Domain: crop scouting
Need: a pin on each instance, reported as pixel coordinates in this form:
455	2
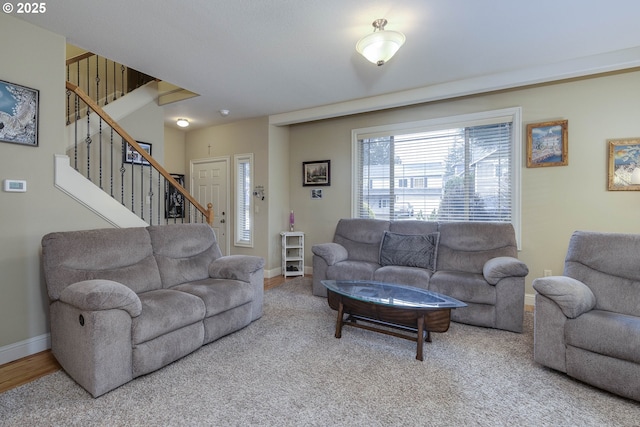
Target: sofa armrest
571	295
99	294
331	252
498	268
235	267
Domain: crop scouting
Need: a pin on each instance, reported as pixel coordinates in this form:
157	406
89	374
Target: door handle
222	221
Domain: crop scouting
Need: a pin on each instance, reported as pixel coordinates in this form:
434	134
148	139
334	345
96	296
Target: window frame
243	201
513	114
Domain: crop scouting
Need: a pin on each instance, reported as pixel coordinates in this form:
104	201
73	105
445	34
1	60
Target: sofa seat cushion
604	332
412	276
219	295
164	311
467	287
352	270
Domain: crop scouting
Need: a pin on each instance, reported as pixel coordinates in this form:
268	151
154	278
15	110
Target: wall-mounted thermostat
15	186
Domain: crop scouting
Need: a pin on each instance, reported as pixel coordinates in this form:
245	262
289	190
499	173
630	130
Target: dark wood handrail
207	212
79	58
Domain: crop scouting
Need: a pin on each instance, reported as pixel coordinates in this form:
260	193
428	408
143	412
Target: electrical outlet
547	273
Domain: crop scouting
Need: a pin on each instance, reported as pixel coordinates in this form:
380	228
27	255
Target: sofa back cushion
413	227
608	264
466	246
361	237
120	254
183	251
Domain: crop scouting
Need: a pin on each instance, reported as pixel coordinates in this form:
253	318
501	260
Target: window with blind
461	168
244	212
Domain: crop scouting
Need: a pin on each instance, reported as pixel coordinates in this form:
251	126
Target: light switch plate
15	186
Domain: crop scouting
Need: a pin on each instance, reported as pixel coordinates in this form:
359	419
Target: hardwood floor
37	365
27	369
30	368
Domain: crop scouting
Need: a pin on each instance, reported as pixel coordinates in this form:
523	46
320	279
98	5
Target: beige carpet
287	369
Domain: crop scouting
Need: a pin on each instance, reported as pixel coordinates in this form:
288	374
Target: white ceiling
277	57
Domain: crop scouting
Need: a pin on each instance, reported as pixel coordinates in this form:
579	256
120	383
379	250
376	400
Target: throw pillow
410	250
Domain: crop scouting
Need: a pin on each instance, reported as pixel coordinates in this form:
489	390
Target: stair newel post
210	214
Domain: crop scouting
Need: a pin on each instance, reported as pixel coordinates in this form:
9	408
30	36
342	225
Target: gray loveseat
587	322
474	262
126	302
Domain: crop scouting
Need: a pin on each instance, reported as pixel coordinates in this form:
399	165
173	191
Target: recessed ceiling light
224	113
183	123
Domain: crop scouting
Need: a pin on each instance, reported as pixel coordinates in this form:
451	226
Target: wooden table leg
339	321
420	337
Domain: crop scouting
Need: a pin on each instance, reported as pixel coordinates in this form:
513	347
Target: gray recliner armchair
587	322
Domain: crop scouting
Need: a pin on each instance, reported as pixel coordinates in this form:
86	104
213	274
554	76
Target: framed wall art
624	164
174	200
548	144
316	173
132	156
18	114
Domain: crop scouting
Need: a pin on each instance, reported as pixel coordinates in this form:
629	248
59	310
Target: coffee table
395	307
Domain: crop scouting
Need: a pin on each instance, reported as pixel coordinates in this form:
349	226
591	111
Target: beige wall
247	136
174	150
37	61
147	125
555	200
278	195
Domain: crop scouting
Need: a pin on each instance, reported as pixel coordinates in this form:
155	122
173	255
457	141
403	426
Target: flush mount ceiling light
183	123
224	113
379	46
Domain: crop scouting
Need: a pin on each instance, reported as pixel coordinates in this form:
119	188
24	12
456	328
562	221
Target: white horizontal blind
244	217
453	174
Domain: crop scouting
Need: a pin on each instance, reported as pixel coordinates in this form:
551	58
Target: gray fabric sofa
474	262
587	322
126	302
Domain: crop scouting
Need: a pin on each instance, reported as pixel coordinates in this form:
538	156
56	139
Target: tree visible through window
462	170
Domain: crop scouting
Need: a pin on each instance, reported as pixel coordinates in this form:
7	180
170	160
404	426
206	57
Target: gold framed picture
624	164
548	144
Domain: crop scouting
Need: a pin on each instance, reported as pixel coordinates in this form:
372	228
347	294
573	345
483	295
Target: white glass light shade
183	123
380	46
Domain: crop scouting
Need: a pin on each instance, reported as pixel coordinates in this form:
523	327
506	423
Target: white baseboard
530	299
268	274
25	348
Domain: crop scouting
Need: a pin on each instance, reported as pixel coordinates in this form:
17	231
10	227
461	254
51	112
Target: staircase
105	169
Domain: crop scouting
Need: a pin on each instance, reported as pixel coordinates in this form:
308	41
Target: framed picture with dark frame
316	173
548	144
132	156
624	164
174	200
18	114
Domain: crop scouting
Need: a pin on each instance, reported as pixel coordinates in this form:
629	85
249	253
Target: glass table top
391	295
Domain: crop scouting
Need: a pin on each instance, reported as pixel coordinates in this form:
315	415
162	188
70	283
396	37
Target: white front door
209	184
